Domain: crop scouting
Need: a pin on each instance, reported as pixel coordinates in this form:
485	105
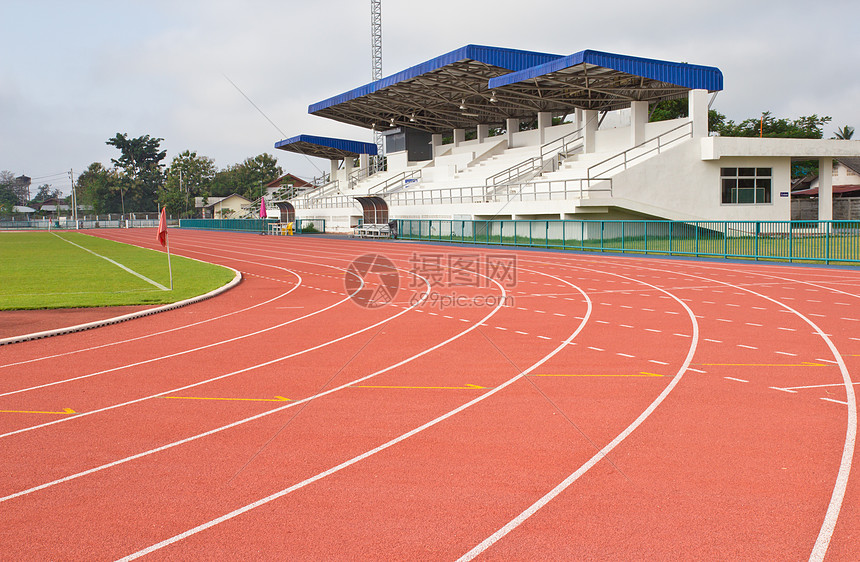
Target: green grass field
43	270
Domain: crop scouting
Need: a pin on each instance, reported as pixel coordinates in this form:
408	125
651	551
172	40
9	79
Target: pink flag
162	227
262	207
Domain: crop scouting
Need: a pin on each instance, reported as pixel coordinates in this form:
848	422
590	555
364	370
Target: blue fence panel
805	241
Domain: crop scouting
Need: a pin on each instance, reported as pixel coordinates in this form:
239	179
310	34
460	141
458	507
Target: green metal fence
802	241
303	226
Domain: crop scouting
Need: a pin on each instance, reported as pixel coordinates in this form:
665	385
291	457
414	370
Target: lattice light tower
376	59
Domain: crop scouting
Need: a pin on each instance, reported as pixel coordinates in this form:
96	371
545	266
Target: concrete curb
237	278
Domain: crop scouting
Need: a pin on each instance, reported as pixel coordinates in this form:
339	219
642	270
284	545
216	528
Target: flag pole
169	269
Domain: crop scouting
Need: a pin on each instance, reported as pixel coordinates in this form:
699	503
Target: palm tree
845	133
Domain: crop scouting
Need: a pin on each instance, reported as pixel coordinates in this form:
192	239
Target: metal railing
397	181
256	226
537	164
656	144
828	242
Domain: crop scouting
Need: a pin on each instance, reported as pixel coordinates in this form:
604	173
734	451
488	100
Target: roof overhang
604	81
444	93
487	85
326	147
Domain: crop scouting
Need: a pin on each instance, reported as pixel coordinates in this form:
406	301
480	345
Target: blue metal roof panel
511	59
343	145
681	74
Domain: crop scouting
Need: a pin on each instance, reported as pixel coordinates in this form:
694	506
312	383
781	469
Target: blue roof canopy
478	84
431	95
599	80
326	147
692	76
509	59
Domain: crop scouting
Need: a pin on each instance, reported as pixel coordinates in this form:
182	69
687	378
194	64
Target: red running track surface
571	407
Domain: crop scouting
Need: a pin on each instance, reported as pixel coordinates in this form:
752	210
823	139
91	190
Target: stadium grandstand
490	133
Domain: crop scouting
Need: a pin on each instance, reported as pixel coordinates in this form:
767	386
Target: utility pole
376	66
74	197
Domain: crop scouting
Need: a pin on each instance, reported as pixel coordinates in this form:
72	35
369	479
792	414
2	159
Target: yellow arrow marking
642	374
275	399
465	387
65	412
804	364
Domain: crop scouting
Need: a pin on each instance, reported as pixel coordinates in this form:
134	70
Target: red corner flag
162	227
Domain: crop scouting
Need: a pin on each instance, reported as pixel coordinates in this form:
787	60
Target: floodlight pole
376	67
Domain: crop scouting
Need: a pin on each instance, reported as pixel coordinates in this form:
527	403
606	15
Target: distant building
229	207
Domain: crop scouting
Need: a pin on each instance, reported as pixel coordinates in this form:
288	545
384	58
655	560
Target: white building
581	168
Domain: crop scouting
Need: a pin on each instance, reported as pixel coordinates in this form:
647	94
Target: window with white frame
746	186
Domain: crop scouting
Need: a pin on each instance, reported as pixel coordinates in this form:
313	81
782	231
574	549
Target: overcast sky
73	74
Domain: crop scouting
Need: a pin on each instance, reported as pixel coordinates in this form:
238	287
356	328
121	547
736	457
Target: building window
746	185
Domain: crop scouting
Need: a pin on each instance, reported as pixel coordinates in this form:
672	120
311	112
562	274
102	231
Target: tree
806	127
45	192
97	187
247	178
196	174
141	170
8	198
844	133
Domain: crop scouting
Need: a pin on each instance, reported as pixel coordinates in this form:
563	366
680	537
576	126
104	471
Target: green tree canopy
188	176
247	178
844	133
8	198
141	170
97	187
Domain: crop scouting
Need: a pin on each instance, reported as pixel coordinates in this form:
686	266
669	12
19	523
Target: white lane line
625	355
713	341
813	386
382	447
596	348
746	346
787	329
787	353
522	333
827	361
116	263
783	389
734	379
654	330
219	377
291	404
682	335
531	510
837	401
544	337
696	370
754	324
657	362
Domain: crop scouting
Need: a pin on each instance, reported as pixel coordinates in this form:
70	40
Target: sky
74	74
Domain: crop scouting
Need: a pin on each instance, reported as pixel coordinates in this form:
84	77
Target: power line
283	134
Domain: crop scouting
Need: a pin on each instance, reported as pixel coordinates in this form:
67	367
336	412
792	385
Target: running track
590	407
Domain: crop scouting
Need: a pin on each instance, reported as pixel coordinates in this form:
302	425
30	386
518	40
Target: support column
544	120
638	120
577	118
698	108
825	189
363	161
334	166
513	126
459	136
435	142
483	132
348	165
589	116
